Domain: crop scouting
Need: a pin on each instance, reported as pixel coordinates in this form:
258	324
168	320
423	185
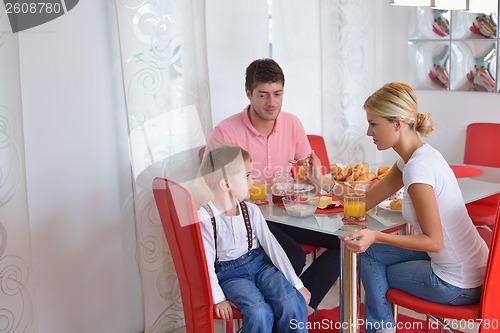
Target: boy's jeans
261	292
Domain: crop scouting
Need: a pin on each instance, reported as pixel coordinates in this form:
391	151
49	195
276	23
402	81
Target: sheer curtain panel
163	51
17	312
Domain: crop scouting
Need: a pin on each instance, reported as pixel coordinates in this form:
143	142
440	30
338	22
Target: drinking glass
354	207
258	193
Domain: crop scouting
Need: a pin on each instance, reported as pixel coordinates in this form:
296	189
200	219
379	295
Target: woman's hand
224	310
360	240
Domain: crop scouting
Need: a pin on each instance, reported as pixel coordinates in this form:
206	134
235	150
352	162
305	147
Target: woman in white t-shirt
444	260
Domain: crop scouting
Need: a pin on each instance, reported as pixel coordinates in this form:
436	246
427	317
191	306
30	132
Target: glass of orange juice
354	207
258	193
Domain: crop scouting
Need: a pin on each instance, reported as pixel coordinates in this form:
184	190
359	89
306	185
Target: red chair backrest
481	144
490	311
180	222
318	145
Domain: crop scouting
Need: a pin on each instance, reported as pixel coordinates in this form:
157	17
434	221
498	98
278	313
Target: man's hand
224	310
315	172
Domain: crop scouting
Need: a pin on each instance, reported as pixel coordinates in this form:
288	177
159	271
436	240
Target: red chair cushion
465	312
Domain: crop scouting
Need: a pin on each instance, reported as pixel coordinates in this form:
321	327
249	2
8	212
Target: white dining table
378	219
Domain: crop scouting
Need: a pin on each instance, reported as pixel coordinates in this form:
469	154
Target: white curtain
326	49
164	62
347	68
17	312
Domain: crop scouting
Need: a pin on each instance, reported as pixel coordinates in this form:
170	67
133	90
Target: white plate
385	206
302	188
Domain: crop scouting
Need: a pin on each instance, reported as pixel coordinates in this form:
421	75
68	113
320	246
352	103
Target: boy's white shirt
232	243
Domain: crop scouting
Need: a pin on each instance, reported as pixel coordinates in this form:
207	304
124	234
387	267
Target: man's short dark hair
263	71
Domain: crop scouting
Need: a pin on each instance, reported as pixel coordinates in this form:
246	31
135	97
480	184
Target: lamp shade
448	4
421	3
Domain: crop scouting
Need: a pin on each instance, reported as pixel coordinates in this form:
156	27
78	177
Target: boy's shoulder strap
248	225
214	226
246	218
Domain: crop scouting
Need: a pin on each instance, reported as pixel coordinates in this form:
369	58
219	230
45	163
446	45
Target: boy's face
241	181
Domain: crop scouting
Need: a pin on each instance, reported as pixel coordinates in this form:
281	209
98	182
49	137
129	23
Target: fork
294	161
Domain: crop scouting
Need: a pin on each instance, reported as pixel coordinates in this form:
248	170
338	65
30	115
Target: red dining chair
481	148
486	312
317	143
180	222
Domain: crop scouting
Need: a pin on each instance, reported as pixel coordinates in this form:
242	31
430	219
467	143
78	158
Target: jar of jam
282	186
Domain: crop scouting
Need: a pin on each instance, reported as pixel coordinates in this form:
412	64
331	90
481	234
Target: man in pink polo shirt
272	137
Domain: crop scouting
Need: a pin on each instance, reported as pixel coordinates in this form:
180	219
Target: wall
451	111
78	174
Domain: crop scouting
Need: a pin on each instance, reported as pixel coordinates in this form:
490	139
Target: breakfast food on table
353	172
396	204
324	201
335	169
366	176
301	174
382	171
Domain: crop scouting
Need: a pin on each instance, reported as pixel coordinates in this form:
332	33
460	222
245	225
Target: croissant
345	173
335	169
367	176
362	167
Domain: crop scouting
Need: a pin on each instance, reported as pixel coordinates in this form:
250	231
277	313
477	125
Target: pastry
367	176
396	204
302	173
335	169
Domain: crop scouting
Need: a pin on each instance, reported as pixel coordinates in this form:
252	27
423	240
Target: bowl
300	205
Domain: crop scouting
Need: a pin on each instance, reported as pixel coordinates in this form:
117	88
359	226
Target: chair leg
442	323
395	310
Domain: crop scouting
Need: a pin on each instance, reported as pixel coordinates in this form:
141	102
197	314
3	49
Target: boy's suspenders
246	218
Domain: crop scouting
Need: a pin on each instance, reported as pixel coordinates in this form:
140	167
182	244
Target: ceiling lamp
448	4
421	3
481	6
